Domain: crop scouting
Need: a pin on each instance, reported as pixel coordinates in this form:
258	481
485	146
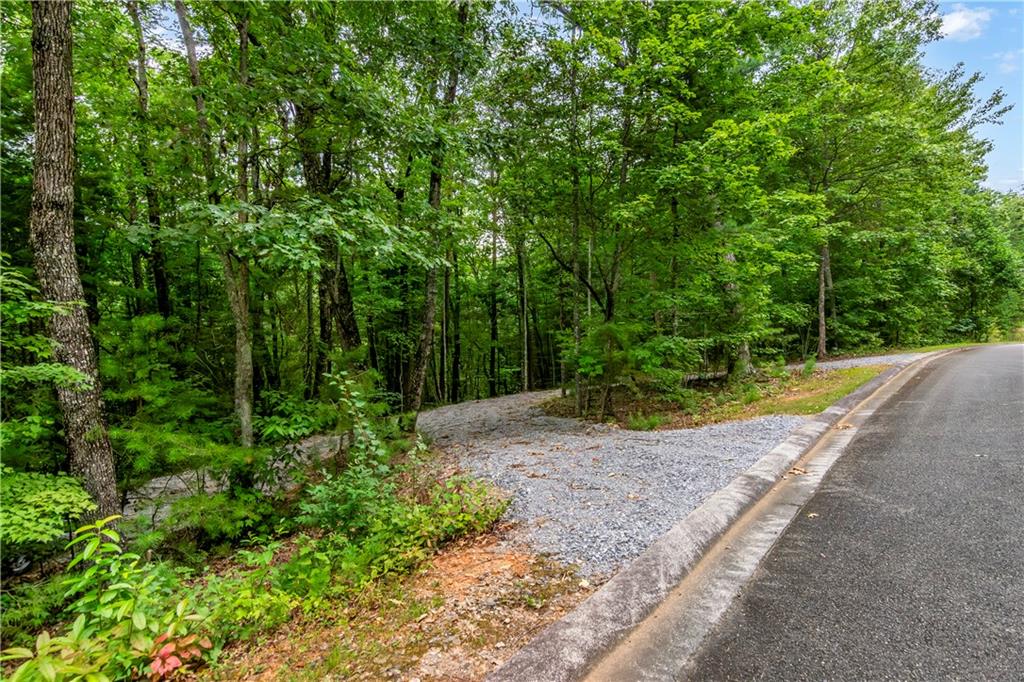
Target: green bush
640	422
286	419
29	607
751	394
38	509
209	520
688	400
809	366
129	621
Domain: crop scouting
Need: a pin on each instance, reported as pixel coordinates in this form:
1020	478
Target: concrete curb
567	649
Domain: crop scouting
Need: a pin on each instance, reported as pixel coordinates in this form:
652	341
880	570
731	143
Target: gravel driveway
591	494
869	360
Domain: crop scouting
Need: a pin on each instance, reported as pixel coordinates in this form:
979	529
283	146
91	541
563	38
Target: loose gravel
870	360
591	494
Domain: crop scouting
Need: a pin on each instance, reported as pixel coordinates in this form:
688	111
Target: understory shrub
128	619
640	422
38	509
133	618
29	607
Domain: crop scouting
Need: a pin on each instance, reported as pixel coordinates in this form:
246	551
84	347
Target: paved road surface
913	568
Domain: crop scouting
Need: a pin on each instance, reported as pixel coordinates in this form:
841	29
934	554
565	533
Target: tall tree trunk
492	374
157	260
577	332
822	268
524	328
326	331
446	302
260	355
135	306
309	371
414	384
51	231
344	309
236	270
456	375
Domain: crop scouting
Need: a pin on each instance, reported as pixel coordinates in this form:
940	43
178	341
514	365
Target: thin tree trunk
524	329
260	348
309	372
157	260
828	283
492	379
134	303
344	309
456	375
577	331
414	384
822	267
236	270
51	232
446	301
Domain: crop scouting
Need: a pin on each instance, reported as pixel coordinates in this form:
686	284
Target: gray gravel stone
870	360
592	494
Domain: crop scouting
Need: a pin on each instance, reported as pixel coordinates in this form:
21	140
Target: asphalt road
908	563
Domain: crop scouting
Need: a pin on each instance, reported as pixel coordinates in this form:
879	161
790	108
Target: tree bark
446	302
524	329
492	376
51	231
577	331
236	270
157	260
456	374
334	294
414	385
822	268
135	306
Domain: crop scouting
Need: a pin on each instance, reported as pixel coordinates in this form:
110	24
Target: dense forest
230	225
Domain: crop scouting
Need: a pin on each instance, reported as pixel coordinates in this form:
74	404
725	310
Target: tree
53	246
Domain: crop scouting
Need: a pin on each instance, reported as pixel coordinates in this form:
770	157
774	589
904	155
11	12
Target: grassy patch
801	392
648	422
805	394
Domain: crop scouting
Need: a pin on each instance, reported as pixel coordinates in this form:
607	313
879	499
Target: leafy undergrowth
799	392
121	615
457	616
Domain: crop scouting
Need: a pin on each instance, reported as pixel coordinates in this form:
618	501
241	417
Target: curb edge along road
570	648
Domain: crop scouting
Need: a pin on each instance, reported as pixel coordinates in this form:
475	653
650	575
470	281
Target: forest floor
460	615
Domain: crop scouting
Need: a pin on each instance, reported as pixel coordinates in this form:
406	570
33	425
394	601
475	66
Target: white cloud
1009	61
965	23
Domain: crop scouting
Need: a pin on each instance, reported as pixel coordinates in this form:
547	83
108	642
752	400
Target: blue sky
988	37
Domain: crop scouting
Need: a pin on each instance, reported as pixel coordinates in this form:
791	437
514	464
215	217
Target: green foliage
287	419
650	422
22	313
141	373
128	621
809	366
39	508
29	607
751	394
209	520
